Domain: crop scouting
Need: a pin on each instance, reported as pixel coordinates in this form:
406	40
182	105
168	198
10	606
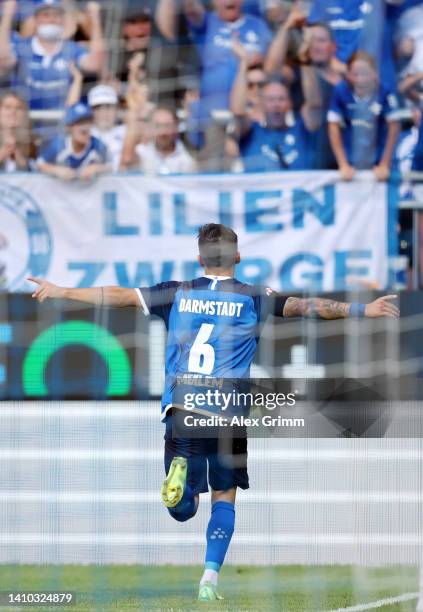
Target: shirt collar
74	154
179	148
220	278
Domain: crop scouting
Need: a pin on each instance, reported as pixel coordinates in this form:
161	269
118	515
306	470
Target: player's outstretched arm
98	296
331	309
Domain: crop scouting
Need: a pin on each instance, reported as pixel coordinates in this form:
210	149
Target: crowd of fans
180	86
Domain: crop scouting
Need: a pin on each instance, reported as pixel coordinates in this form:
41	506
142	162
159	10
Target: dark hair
218	245
324	26
259	66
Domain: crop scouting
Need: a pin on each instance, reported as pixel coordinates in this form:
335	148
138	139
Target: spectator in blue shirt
360	25
283	140
346	19
363	120
78	154
213	33
317	49
41	62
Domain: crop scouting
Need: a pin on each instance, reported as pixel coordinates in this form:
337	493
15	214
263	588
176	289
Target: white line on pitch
380	603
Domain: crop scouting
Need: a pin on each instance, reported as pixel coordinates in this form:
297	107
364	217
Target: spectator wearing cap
164	153
26	19
104	103
363	120
78	154
41	63
283	140
213	33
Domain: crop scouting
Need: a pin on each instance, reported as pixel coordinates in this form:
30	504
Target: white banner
296	230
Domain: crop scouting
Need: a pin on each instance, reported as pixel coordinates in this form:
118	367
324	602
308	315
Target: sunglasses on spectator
258	84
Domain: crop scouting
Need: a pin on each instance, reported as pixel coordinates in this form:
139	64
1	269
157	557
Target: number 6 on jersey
201	356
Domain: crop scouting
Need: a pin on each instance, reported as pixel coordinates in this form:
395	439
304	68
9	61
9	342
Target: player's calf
219	533
176	493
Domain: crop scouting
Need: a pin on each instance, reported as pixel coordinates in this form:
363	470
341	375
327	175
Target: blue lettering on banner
144	274
253	212
191	269
225	208
254	271
155	214
111	224
92	271
180	206
343	269
314	279
304	201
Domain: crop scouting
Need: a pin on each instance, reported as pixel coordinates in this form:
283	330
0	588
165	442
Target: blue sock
219	533
186	508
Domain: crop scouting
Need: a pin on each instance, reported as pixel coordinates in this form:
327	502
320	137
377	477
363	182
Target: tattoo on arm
316	308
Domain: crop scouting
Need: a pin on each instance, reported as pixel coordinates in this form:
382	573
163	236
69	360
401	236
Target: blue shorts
227	467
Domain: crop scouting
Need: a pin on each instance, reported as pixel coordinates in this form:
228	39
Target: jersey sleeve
391	107
269	302
266	36
77	53
49	152
103	153
15	44
199	31
336	108
158	300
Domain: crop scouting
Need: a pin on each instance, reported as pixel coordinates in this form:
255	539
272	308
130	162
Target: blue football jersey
364	122
59	151
213	326
265	149
41	79
220	64
346	19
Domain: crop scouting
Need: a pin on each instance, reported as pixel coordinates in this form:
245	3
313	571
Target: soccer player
212	324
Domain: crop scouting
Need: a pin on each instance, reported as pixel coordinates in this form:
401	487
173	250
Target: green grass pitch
245	588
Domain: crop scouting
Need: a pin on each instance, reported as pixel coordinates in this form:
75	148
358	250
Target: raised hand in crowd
240	50
75	90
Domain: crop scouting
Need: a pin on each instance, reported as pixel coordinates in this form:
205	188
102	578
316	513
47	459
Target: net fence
326	522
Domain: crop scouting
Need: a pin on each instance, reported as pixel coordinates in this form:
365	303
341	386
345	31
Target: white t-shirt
153	162
113	139
410	25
